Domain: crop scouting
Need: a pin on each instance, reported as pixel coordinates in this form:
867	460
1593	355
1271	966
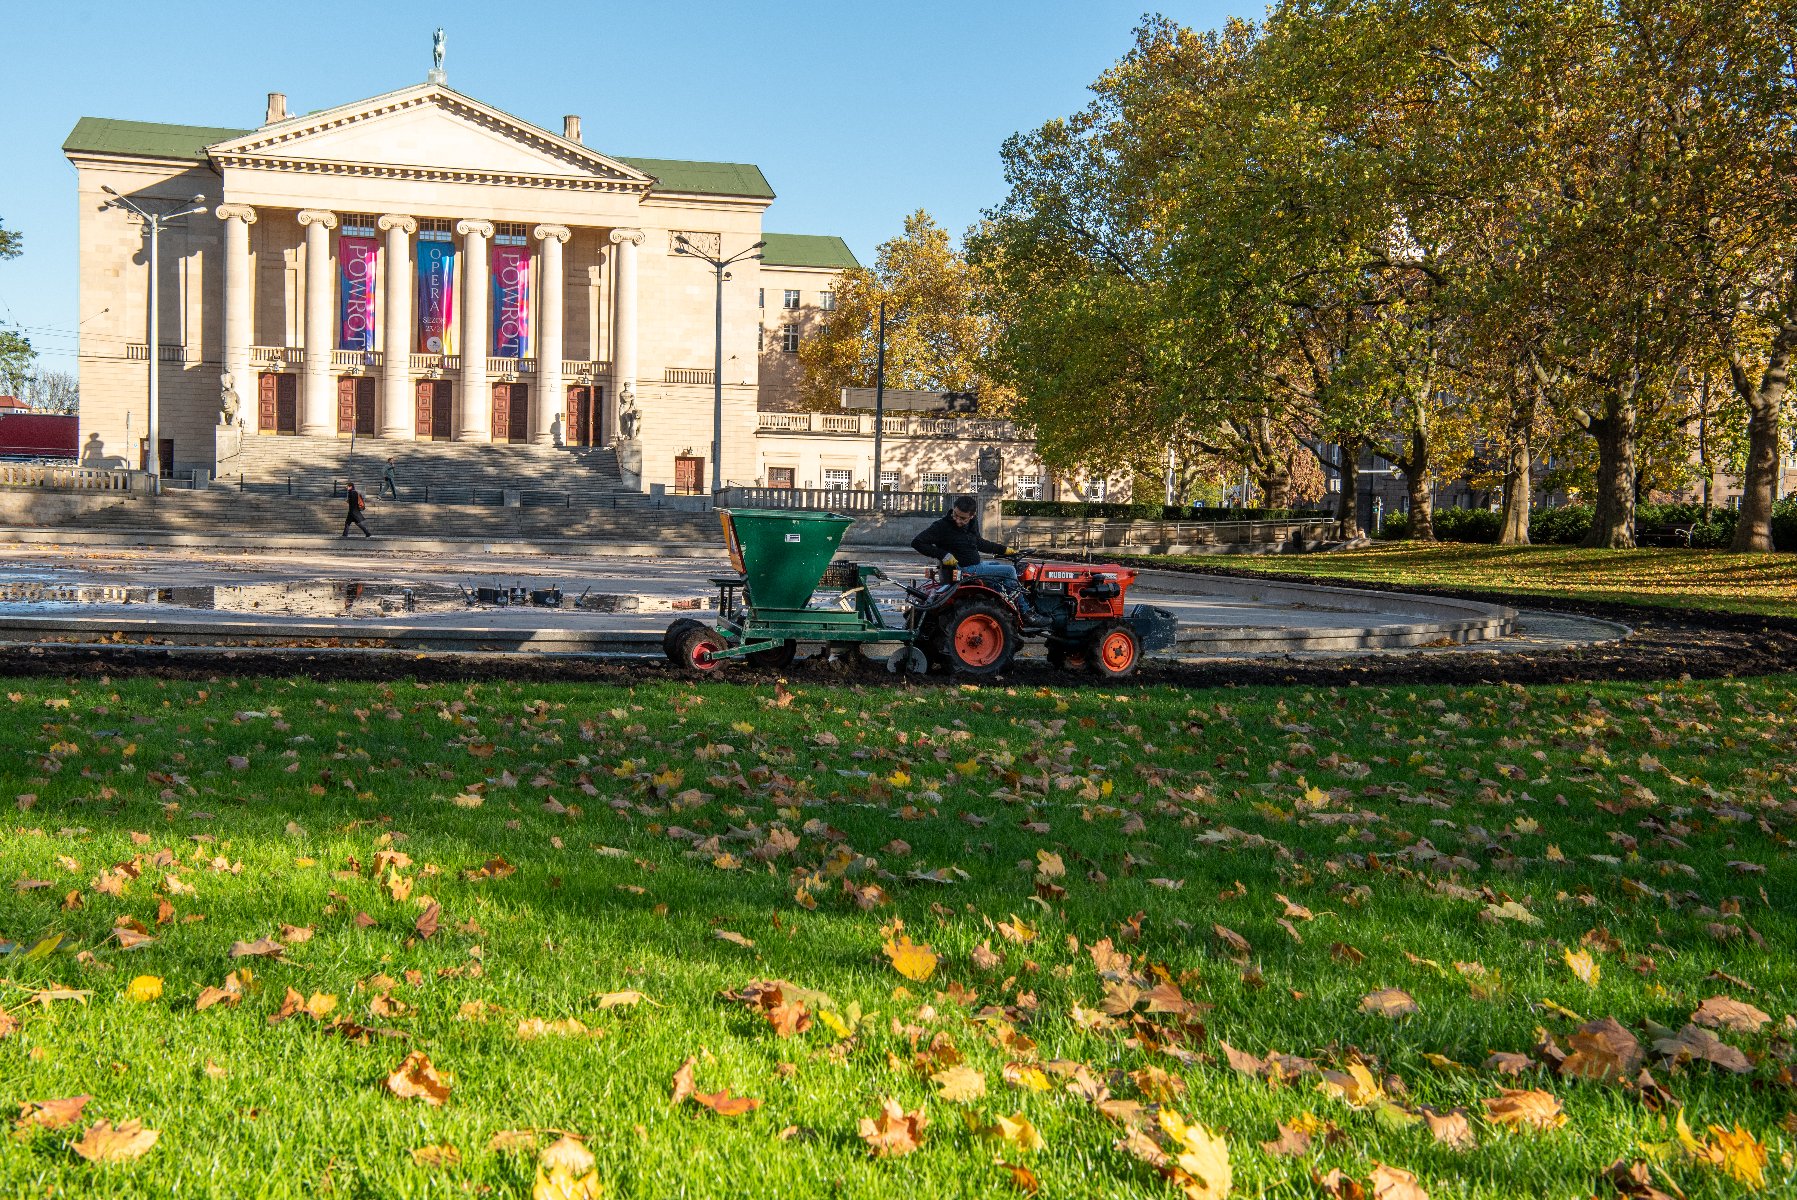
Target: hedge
1154	512
1568	524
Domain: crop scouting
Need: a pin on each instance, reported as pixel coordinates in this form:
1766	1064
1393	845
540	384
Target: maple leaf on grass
1581	964
1692	1043
566	1171
724	1104
1736	1153
894	1131
960	1084
48	1114
1389	1002
1603	1051
1200	1158
1525	1108
1394	1183
1720	1012
416	1079
683	1081
909	959
105	1142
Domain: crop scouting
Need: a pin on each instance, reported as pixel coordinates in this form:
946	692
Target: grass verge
1761	584
1136	898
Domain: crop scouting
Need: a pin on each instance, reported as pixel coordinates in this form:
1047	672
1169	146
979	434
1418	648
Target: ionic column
623	365
549	397
238	332
318	404
398	409
475	422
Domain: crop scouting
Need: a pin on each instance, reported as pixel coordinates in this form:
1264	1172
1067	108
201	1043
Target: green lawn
559	845
1685	579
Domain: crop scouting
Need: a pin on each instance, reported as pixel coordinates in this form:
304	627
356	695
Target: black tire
775	658
694	647
1063	657
671	637
1114	650
978	639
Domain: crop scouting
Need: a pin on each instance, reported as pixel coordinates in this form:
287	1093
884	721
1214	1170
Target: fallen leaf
959	1084
894	1131
1720	1012
512	1139
105	1142
260	948
426	924
443	1155
416	1079
48	1114
1388	1002
1634	1181
566	1171
624	999
1603	1051
1392	1183
536	1027
1692	1043
1450	1127
909	959
144	989
1290	1143
725	1105
1017	1131
1581	964
1200	1163
1525	1108
683	1081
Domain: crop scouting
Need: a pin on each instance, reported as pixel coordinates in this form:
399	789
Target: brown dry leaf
260	948
1529	1108
536	1027
416	1079
293	935
1392	1183
48	1114
1022	1178
427	921
1338	1186
683	1081
105	1142
1388	1002
1634	1181
909	959
565	1171
1603	1051
1692	1043
229	994
894	1131
444	1155
726	935
512	1139
1450	1127
959	1084
1233	943
1506	1063
1290	1143
1720	1012
725	1105
624	999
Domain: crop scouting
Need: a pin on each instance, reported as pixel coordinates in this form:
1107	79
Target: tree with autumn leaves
1449	232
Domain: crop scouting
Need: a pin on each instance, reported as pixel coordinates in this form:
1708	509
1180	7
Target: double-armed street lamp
154	223
719	266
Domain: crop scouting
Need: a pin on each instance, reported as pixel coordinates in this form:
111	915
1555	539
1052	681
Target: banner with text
511	301
436	297
357	258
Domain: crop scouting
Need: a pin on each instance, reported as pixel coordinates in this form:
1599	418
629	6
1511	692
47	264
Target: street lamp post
154	223
718	265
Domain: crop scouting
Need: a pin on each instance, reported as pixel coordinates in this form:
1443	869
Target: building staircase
440	472
228	511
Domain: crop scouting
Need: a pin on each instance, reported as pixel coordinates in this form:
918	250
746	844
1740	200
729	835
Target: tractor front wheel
694	648
979	639
1114	651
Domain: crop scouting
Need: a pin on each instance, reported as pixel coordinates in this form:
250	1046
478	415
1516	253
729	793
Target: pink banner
357	258
511	301
436	296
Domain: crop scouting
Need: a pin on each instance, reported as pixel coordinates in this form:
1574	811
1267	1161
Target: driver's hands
949	560
1006	551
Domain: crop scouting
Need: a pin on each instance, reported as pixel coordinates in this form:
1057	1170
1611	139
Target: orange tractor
960	623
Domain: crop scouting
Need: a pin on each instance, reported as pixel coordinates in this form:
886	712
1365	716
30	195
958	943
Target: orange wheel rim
979	640
1117	652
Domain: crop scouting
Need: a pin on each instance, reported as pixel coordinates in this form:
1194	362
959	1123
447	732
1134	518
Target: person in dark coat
354	516
953	541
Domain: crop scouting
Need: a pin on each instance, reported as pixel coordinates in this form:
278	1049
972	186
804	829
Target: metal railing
848	500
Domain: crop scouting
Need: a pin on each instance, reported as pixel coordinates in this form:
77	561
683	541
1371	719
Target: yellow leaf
1584	966
1017	1131
144	989
899	779
1049	865
105	1142
1201	1157
836	1024
911	960
959	1084
565	1171
1027	1077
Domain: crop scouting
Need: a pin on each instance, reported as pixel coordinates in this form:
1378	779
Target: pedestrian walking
387	484
354	516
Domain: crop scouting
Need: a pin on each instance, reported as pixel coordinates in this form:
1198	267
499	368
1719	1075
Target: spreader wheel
670	640
694	648
775	658
1114	650
979	638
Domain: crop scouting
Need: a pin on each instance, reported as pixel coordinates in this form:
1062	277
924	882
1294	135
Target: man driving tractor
953	541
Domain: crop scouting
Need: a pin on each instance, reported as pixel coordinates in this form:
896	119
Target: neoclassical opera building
421	265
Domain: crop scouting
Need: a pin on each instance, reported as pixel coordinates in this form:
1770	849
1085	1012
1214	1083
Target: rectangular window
760	337
355	225
1029	487
509	233
789	338
837	479
779	477
935	481
827	301
791	299
1098	489
761	297
889	481
436	229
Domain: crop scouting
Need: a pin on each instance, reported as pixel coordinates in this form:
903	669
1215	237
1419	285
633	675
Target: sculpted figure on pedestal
227	400
628	416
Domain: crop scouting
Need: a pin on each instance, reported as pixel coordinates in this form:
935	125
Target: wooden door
277	403
511	412
165	453
581	425
433	410
689	475
266	385
423	395
365	406
346	404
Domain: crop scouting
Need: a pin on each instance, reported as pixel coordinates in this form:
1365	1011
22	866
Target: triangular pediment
427	132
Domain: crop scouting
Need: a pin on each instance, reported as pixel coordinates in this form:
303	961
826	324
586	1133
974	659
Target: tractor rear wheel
979	638
694	647
1114	650
775	658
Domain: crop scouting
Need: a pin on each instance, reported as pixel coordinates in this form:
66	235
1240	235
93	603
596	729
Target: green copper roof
807	250
144	139
705	178
149	139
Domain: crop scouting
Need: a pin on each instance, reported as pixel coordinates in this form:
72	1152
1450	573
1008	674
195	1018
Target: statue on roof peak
437	74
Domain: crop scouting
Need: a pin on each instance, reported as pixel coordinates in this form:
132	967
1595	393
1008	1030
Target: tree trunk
1613	524
1759	483
1347	505
1274	479
1415	466
1518	493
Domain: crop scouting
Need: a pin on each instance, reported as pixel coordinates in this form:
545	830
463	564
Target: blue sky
857	112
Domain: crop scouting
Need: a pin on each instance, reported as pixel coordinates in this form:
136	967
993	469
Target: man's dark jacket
356	503
943	536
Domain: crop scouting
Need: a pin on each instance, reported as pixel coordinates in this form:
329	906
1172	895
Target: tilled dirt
1664	645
